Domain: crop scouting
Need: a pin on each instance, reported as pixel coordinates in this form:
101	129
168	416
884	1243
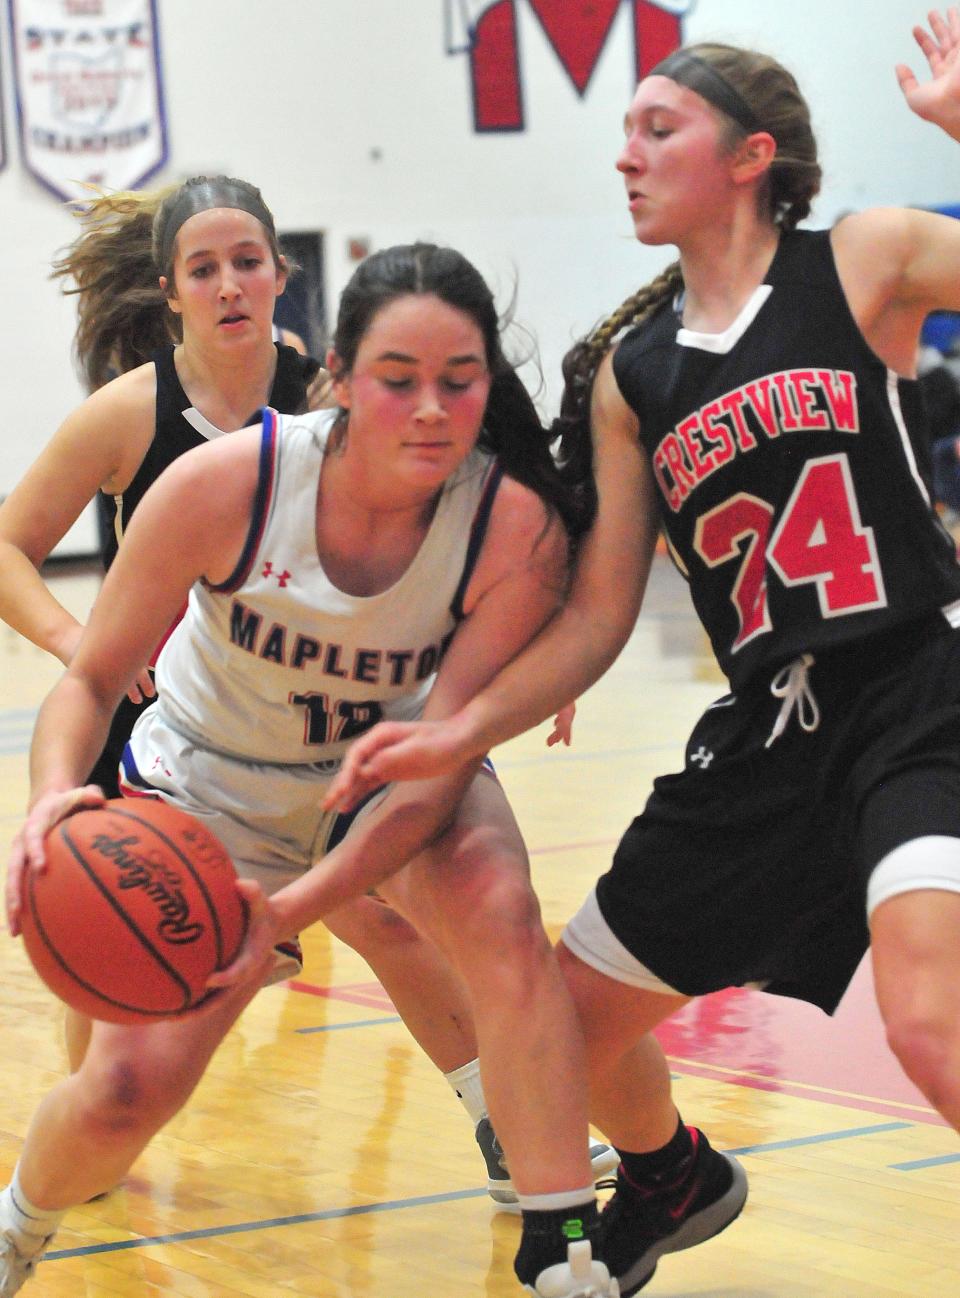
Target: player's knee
371	927
926	1047
496	913
129	1096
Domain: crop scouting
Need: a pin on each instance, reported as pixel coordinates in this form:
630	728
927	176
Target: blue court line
357	1023
847	1134
925	1162
391	1205
328	1214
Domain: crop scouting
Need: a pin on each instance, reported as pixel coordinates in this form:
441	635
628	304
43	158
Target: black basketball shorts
751	864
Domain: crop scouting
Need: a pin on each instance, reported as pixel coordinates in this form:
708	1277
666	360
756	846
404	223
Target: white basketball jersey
277	664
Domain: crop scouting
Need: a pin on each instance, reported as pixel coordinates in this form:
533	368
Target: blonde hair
122	314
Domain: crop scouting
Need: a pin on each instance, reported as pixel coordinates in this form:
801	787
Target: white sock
31	1226
555	1202
468	1088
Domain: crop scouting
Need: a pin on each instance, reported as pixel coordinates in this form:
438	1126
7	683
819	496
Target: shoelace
792	684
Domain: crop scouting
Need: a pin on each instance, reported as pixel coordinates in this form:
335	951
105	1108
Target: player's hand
936	100
256	955
143	687
562	731
393	750
27	849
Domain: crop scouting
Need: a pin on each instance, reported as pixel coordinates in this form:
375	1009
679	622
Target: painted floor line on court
420	1201
357	1023
743	1077
918	1163
298	1219
823	1137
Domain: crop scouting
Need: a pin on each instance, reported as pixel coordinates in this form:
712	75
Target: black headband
201	196
697	75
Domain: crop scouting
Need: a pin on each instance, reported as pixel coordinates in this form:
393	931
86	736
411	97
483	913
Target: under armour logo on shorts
703	757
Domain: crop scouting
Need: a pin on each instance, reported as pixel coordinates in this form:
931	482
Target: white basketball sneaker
603	1159
17	1266
15	1269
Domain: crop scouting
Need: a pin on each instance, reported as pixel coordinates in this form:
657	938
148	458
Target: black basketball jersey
174	434
792	469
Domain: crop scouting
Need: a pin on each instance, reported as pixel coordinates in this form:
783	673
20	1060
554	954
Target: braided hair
580	365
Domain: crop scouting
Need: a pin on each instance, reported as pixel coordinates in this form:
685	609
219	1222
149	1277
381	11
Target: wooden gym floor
324	1156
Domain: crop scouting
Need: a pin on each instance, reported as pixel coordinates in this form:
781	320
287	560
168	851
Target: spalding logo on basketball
137	907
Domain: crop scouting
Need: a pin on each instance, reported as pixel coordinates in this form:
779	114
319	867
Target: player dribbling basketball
333	561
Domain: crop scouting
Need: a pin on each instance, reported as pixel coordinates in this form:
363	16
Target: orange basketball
137	907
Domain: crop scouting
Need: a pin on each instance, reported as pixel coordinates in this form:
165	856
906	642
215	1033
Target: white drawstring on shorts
792	684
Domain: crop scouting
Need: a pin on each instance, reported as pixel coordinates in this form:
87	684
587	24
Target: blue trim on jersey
266	477
478	532
132	783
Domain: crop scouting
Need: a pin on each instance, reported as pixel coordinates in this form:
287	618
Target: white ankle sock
31	1226
556	1202
468	1088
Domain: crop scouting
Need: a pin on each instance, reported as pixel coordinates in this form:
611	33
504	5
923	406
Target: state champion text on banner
89	94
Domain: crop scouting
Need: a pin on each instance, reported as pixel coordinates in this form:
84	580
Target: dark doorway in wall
302	307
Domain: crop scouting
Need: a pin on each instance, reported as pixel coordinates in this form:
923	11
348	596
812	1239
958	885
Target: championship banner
3	129
89	92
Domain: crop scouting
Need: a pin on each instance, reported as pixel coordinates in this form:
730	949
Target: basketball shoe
603	1160
15	1268
20	1249
638	1225
579	1277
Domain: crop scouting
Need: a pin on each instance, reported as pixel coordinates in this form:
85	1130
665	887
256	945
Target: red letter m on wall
577	30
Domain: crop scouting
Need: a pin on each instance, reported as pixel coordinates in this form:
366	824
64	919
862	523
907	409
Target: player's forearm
71	729
568	656
27	606
410	818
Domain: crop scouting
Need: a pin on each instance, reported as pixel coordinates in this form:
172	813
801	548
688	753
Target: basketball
137	907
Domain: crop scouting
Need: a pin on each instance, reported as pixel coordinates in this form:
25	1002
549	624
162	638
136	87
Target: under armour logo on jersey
158	762
282	577
703	757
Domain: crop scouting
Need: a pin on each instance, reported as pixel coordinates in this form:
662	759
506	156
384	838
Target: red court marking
774	1043
767	1043
371	995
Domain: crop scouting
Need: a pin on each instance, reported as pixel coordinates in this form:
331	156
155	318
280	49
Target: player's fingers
345	791
938	26
907	79
930	48
256	954
14	884
142	688
48	812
